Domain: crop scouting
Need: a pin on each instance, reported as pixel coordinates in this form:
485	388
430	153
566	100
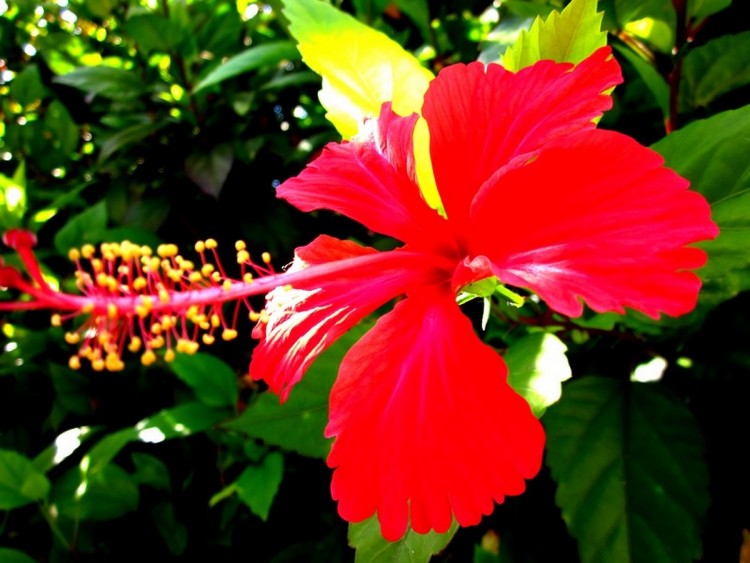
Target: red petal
303	322
597	217
426	427
371	181
480	117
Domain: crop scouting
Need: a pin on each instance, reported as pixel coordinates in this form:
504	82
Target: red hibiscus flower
426	427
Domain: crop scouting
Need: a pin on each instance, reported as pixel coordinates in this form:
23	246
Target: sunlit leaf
366	538
13	197
27	86
21	482
361	68
268	55
715	68
631	478
104	495
537	366
570	37
214	382
257	485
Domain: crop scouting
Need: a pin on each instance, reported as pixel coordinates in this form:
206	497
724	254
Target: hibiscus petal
426	426
302	321
596	216
480	117
370	180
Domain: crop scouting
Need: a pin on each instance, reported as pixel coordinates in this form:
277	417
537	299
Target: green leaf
127	136
298	424
153	32
628	462
712	154
62	130
151	471
567	37
258	484
214	382
106	81
361	68
365	537
86	227
105	495
13	197
8	555
21	483
701	9
27	86
255	58
654	81
715	68
173	532
537	366
65	444
210	171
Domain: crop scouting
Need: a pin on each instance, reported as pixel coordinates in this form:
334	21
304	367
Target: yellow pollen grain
98	364
216	277
207	269
135	344
114	363
156	328
74	363
266	257
240	245
226	285
215	321
243	256
163	296
157	342
254	316
208	339
148	358
87	308
112	311
169	355
195	277
87	251
228	334
55	320
211	243
74	255
200	246
140	283
247	278
72	338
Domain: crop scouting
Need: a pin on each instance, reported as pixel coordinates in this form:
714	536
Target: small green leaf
27	86
567	37
365	537
8	555
86	227
715	68
537	366
62	130
151	471
361	68
210	171
21	483
106	81
298	424
699	10
153	32
628	462
258	484
173	532
268	55
104	495
214	382
125	137
712	154
654	81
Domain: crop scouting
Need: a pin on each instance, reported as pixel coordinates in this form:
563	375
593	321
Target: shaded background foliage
173	121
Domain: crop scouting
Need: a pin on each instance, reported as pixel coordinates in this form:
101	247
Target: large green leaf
254	58
715	68
21	482
365	537
701	9
628	462
106	81
214	382
86	227
361	68
14	556
537	366
298	424
104	495
566	37
712	154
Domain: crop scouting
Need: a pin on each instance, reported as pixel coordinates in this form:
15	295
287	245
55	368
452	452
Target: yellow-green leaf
361	68
564	37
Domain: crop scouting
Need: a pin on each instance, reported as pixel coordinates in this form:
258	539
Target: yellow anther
266	257
98	364
163	296
243	256
87	308
102	279
228	334
207	269
87	251
226	285
169	355
97	265
247	278
191	312
145	306
264	316
254	316
113	362
112	311
216	277
167	250
208	339
204	325
74	255
174	275
56	320
215	321
156	328
140	283
148	358
157	342
135	344
240	245
195	277
200	246
146	251
211	244
72	338
185	346
74	363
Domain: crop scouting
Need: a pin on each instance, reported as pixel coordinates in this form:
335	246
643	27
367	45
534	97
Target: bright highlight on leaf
564	37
